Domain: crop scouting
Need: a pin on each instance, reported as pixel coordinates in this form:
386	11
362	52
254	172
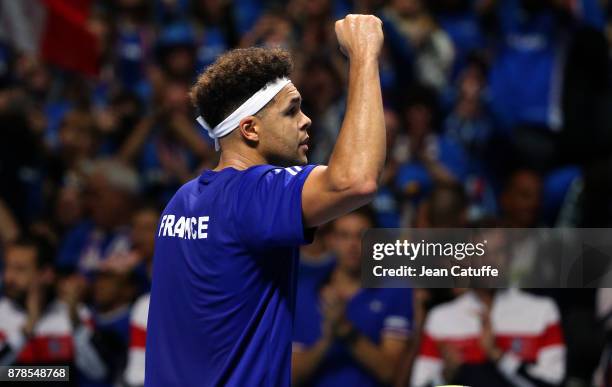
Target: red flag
66	41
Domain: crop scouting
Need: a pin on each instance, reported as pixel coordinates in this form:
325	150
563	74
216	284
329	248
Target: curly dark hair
234	77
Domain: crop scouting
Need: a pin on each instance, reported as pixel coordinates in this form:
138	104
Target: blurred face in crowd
68	206
175	98
77	138
521	199
108	206
407	7
418	120
36	76
346	240
144	227
180	62
445	207
321	86
279	32
21	270
283	141
111	290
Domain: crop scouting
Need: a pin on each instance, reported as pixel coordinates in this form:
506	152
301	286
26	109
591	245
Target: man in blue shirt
222	298
346	335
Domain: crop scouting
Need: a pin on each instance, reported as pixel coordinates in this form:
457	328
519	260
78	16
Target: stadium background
501	110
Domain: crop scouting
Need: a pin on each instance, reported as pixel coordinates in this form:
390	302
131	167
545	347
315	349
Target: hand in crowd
34	301
333	308
72	290
451	356
487	336
173	163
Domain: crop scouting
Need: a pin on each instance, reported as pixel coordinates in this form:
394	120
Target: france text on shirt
185	227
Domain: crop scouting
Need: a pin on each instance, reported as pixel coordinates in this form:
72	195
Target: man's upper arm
323	201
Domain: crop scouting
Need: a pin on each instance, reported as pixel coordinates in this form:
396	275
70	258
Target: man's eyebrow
295	101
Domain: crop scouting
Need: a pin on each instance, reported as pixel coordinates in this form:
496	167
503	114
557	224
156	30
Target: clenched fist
360	36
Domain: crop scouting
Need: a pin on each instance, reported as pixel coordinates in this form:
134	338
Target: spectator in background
315	26
109	195
273	29
117	120
520	203
21	156
530	45
216	29
317	259
136	260
166	147
432	49
603	374
433	158
135	369
461	20
345	334
78	144
133	45
9	229
520	200
491	338
176	52
112	295
325	102
469	125
468	121
446	206
143	236
387	202
37	327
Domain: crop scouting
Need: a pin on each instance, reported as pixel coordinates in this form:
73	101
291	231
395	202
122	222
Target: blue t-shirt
223	290
373	312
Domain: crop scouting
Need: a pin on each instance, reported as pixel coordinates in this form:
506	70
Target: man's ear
250	128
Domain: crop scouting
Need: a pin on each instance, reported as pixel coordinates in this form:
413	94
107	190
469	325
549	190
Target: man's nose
306	122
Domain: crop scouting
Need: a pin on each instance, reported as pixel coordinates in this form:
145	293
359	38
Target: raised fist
360	36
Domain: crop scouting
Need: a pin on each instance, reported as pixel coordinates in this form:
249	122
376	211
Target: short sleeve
398	318
269	207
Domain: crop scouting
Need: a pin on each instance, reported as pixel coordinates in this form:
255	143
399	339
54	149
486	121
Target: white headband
248	108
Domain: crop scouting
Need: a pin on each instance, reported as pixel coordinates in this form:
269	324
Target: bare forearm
359	153
134	142
194	142
374	359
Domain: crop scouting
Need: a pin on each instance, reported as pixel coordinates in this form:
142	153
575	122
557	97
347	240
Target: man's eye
292	111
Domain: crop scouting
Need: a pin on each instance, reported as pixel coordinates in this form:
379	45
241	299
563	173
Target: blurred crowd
498	114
